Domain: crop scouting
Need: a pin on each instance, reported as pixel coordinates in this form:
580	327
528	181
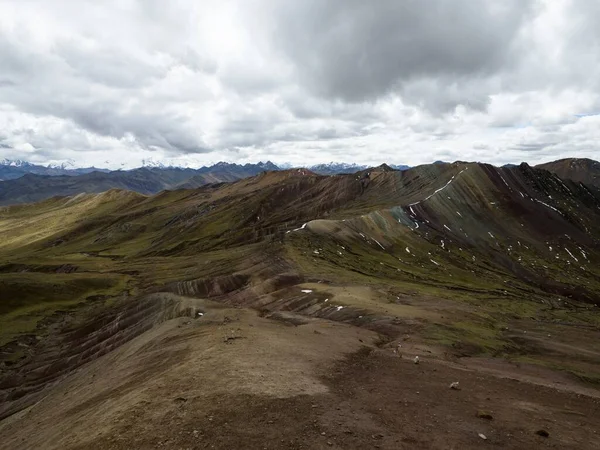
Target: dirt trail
233	379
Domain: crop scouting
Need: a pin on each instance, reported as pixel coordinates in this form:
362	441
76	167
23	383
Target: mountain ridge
443	261
33	187
584	170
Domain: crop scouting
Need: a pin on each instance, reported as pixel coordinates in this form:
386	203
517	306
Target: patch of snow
443	244
491	235
306	291
561	182
447	228
459	213
379	244
571	254
407	250
302	227
445	186
504	181
436	263
547	205
339	308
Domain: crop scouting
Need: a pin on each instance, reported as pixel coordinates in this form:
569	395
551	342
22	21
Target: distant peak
383	168
15	163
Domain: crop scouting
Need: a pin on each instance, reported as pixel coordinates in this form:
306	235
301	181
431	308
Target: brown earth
233	379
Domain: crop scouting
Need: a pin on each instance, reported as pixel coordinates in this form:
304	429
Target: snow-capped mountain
334	168
11	169
65	165
15	163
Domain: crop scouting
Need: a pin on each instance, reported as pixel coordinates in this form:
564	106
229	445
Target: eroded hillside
468	266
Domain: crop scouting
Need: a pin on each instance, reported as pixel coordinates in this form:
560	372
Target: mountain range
11	169
382	299
24	182
33	187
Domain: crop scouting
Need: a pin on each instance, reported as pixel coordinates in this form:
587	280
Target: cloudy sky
114	82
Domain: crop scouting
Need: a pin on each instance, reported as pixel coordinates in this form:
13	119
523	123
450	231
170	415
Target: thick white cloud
301	82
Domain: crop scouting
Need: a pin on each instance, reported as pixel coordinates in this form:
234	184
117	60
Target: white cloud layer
114	82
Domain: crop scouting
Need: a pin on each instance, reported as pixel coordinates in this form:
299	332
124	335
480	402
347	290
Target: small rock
482	436
542	433
454	385
416	360
323	433
329	443
484	415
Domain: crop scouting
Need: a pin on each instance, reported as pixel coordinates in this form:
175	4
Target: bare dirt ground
232	379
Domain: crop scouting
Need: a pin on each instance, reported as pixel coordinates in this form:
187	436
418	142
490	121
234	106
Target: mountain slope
31	188
466	265
586	171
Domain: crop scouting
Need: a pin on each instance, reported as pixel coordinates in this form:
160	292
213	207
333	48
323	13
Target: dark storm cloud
356	50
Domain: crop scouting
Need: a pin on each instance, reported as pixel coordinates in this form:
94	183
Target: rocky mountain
171	316
586	171
12	169
146	180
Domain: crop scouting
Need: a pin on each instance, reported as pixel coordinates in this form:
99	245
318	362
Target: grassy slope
509	277
121	241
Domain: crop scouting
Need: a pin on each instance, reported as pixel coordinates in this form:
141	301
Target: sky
118	83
